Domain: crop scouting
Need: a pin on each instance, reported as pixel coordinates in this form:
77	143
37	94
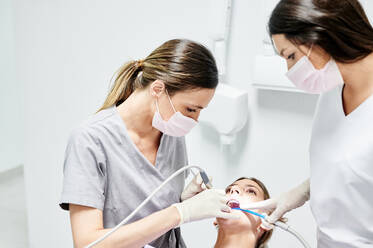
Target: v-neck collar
137	151
357	110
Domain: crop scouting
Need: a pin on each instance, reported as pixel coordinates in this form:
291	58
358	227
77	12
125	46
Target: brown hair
181	64
341	28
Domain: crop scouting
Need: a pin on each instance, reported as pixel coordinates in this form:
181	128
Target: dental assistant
134	142
328	47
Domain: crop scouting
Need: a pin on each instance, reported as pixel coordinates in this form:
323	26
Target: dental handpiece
205	179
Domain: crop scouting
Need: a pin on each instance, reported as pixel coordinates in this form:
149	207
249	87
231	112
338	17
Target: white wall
368	5
67	51
11	126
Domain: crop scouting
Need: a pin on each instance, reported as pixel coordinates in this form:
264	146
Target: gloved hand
285	202
194	187
210	203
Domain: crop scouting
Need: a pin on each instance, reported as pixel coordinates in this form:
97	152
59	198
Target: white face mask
306	77
178	125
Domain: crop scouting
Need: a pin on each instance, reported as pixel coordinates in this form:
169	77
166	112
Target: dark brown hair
339	27
181	64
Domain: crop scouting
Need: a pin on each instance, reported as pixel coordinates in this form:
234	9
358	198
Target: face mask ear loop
309	51
156	104
170	101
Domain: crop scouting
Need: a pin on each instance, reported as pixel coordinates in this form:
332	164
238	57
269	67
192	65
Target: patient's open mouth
233	203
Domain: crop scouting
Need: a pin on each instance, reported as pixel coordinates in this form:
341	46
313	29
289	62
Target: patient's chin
246	221
222	223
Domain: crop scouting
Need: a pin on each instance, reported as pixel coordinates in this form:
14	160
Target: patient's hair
264	238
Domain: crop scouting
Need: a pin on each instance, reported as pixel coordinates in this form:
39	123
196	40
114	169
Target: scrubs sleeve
84	172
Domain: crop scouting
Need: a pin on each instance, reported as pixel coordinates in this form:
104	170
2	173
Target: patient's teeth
233	204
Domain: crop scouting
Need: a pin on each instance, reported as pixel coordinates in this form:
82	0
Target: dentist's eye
291	56
191	110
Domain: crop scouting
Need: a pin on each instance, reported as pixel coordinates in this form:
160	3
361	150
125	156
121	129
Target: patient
245	231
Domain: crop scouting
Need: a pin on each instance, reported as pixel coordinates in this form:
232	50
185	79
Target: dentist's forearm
136	234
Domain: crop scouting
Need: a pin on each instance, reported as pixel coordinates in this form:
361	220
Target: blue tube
250	212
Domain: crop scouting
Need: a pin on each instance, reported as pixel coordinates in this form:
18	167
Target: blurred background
56	61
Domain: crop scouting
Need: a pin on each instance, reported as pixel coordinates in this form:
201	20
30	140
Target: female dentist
328	47
133	143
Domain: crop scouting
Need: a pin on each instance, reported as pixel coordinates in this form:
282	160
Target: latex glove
210	203
285	202
194	187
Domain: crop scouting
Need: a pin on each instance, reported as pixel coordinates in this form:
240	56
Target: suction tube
281	225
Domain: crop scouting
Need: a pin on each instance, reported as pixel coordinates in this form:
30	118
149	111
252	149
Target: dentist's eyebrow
197	106
282	52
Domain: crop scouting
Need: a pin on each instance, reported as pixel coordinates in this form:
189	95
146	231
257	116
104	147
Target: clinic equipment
207	182
279	224
233	103
204	177
251	212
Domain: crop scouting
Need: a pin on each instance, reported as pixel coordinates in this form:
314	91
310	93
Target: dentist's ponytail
124	82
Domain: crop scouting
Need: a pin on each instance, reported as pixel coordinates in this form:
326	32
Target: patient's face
243	192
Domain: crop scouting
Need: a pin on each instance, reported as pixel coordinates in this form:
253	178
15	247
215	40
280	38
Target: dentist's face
190	103
288	50
292	53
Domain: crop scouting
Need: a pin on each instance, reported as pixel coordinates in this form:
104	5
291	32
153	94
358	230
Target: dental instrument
205	179
208	185
279	224
251	212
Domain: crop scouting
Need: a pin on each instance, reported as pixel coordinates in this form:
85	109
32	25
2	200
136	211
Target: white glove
283	203
194	187
211	203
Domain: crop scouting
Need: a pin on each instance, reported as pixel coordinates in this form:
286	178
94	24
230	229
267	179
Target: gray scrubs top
104	169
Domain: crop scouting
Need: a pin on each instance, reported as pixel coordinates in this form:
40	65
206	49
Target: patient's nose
235	190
